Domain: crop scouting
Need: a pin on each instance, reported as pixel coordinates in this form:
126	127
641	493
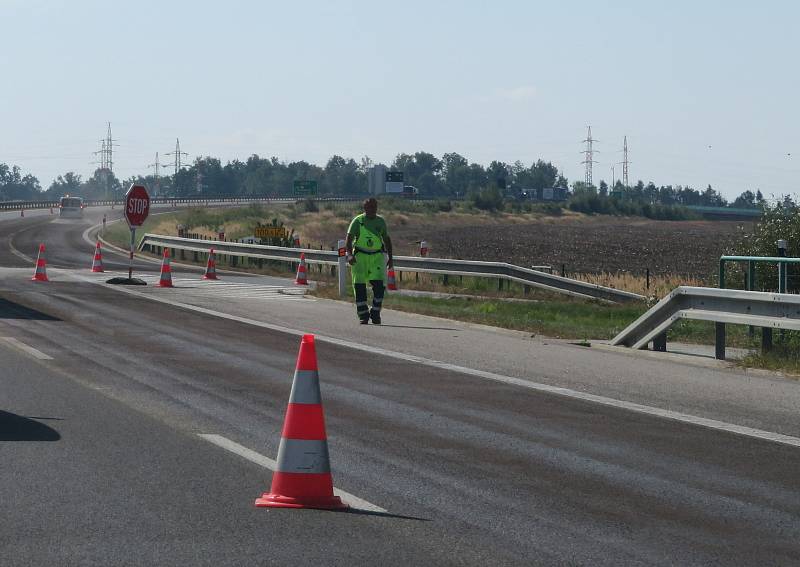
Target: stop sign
137	205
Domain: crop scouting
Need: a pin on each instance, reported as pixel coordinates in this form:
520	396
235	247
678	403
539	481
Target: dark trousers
362	307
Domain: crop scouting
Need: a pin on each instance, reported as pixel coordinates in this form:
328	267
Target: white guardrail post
342	269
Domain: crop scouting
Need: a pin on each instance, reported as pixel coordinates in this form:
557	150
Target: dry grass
659	285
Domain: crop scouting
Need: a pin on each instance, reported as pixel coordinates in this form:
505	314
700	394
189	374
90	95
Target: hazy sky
706	91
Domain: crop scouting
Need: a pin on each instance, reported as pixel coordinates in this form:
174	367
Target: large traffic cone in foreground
166	271
302	278
303	478
40	275
97	262
211	266
391	280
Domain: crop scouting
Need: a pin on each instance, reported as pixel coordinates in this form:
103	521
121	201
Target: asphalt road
103	459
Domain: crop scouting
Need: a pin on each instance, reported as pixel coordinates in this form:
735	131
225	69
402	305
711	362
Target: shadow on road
15	427
11	310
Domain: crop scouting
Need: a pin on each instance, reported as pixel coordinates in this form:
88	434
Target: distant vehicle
71	207
410	191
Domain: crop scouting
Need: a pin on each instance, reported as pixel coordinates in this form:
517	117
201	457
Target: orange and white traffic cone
166	271
211	266
391	280
302	278
40	275
97	262
303	478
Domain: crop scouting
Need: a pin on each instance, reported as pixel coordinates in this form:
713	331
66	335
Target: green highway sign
394	176
305	188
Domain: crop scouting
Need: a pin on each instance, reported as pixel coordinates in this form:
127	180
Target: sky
707	92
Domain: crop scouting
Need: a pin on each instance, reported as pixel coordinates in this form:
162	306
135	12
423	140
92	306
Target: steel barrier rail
500	270
721	306
17	205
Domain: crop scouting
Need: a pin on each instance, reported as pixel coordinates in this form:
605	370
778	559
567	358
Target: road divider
496	270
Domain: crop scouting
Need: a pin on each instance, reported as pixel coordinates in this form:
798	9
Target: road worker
367	241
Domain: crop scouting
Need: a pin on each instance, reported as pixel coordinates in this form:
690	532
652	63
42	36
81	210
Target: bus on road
71	207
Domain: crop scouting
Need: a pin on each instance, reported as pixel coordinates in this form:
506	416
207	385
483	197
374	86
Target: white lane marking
267	463
36	353
566	392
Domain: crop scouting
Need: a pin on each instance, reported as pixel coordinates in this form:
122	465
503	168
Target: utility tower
106	162
625	162
157	173
588	156
177	155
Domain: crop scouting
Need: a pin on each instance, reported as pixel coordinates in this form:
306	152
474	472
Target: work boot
376	317
364	321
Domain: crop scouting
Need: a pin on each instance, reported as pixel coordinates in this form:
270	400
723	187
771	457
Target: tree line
451	176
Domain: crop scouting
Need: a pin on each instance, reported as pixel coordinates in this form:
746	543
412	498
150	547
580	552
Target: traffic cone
301	278
391	280
211	266
166	271
40	275
97	262
303	475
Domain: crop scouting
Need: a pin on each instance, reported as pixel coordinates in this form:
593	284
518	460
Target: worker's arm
351	259
387	242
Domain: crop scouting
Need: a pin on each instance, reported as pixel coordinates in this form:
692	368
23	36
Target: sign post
137	207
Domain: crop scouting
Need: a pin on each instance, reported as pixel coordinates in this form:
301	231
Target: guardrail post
660	342
766	340
499	284
526	289
721	273
719	341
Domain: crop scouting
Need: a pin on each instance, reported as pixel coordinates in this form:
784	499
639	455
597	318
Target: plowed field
588	244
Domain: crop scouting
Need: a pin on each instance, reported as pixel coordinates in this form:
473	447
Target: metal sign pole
130	264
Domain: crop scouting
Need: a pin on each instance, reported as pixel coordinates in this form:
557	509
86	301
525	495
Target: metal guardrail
20	205
722	306
499	270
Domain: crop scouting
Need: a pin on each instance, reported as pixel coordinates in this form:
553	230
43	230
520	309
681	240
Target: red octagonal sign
137	205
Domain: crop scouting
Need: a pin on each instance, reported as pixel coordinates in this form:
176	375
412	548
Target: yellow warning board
271	232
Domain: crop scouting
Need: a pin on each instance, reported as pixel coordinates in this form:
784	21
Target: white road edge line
19	345
566	392
267	463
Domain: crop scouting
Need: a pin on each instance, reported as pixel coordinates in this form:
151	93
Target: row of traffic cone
165	278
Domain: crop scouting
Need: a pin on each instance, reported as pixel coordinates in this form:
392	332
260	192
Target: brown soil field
598	244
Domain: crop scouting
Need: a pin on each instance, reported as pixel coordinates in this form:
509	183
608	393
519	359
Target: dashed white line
19	345
267	463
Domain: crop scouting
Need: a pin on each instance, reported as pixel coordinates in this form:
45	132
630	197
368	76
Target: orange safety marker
40	275
303	475
302	277
97	262
166	271
391	280
211	266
